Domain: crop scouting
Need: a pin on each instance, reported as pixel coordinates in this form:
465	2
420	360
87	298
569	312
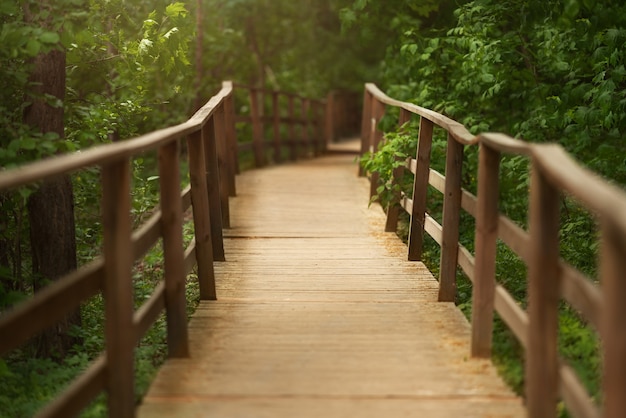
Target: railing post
257	129
393	210
310	123
304	128
293	142
118	290
451	217
329	113
213	186
276	114
485	244
366	126
376	137
322	137
231	135
612	267
420	190
173	252
542	364
201	216
222	163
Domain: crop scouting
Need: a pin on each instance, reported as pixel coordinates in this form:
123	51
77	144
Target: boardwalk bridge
310	303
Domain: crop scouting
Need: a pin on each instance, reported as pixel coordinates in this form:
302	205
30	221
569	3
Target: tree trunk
51	207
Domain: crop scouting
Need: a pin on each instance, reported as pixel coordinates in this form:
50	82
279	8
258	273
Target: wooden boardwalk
319	315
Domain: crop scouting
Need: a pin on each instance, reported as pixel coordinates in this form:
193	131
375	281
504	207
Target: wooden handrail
213	162
550	278
104	154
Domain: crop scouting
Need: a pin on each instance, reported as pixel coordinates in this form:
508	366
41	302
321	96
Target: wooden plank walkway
319	315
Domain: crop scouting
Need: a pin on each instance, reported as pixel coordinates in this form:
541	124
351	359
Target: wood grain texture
485	244
118	291
320	314
451	218
420	183
543	298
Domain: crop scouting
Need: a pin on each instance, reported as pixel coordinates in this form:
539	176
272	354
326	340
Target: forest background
545	71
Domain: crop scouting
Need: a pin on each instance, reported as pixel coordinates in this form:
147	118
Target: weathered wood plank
320	314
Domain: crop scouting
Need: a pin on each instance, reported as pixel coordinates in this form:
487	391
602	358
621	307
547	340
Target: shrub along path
319	315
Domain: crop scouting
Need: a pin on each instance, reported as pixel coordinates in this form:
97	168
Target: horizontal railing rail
212	153
550	279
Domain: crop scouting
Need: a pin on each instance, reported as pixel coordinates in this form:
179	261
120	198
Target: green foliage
24	384
391	154
123	78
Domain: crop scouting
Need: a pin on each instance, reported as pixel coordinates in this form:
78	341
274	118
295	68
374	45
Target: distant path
319	315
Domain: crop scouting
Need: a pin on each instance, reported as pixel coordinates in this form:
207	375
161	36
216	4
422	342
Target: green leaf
33	47
170	33
50	136
176	9
360	4
347	17
571	8
8	8
28	144
145	45
14	145
25	192
50	37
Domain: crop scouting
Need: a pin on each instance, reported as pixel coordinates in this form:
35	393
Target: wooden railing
212	153
302	121
289	126
550	279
